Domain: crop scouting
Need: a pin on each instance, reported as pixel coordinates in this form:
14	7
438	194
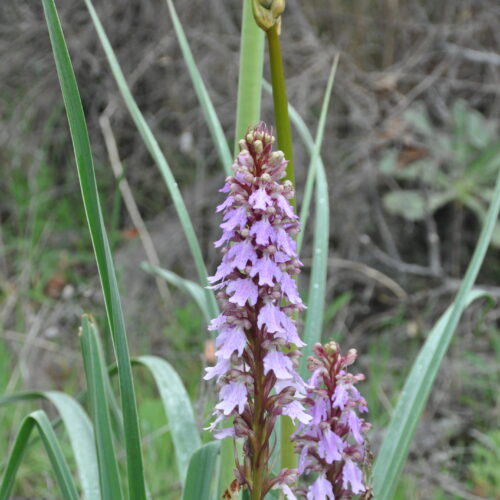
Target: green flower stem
250	76
284	135
283	128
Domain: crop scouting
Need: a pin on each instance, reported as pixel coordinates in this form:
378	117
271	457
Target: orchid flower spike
332	446
256	367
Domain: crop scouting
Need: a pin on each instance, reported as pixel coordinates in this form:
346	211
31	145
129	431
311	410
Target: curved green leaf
177	407
317	286
157	155
201	92
86	174
315	163
201	477
411	403
319	267
64	479
250	75
109	476
80	432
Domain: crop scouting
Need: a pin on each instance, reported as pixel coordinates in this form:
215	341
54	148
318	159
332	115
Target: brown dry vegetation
402	274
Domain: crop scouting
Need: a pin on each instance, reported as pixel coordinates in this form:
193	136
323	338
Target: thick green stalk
284	135
250	76
283	128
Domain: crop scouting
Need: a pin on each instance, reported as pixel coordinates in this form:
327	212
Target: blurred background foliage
409	149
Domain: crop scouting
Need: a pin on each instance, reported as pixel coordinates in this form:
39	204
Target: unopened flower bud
350	357
257	146
331	348
267	13
276	157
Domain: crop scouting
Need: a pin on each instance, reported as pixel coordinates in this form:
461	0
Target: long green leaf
80	432
313	164
156	153
190	287
64	479
109	476
418	385
178	410
201	92
317	286
114	406
201	476
86	174
319	267
250	74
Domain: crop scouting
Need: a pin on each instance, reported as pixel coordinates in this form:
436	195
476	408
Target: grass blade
317	287
190	287
201	92
178	409
109	476
80	432
418	385
315	154
156	154
86	174
201	476
64	479
250	75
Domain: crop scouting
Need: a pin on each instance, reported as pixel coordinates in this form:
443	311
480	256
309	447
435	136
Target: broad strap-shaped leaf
201	92
201	477
60	467
95	373
86	174
319	268
418	385
154	149
411	403
178	409
315	163
80	433
250	74
190	287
